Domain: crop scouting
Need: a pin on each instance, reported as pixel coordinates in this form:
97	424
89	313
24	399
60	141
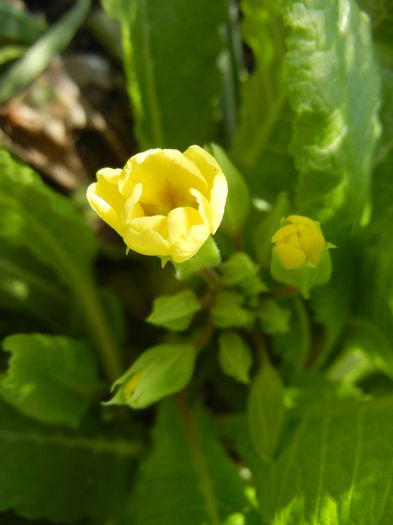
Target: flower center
168	198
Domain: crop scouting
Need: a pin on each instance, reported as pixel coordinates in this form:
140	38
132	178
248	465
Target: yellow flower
299	242
163	202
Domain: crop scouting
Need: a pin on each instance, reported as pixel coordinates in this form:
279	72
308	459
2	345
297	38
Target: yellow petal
111	175
293	240
216	180
166	176
300	219
313	245
148	235
132	207
205	162
284	232
107	202
291	258
218	198
187	231
185	248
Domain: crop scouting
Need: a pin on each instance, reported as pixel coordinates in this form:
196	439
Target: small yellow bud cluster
298	243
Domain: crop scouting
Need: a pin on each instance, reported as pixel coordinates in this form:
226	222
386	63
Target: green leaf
237	206
46	224
10	53
228	311
262	93
52	379
157	373
39	56
18	24
173	88
234	356
332	304
201	486
266	411
333	86
174	312
335	468
238	268
261	142
273	318
27	286
62	476
208	256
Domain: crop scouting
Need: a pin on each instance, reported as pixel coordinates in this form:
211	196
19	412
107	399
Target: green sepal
164	261
307	276
163	370
174	312
207	257
265	411
273	319
234	356
228	311
237	206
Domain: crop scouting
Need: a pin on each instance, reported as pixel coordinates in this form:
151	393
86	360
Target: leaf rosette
163	202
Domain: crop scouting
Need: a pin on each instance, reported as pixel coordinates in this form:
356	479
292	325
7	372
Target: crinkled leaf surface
52	379
333	86
35	216
260	144
337	468
188	478
47	472
27	286
171	53
46	224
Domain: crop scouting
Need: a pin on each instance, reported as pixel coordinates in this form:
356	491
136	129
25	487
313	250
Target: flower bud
300	255
298	243
157	373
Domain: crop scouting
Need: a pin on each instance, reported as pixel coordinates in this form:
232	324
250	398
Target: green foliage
52	379
273	318
333	87
267	227
173	89
87	472
235	356
18	24
158	372
39	56
175	312
47	226
334	468
265	411
228	311
260	144
27	286
200	486
208	256
294	367
237	206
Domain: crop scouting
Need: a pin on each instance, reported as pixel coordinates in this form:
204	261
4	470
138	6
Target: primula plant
210	342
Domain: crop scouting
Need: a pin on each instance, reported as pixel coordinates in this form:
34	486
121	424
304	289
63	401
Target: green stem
305	333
